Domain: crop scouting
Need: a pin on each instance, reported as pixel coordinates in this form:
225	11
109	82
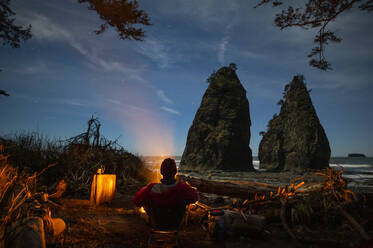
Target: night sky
148	92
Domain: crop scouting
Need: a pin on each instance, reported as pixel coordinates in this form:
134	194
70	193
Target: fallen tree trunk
241	189
244	190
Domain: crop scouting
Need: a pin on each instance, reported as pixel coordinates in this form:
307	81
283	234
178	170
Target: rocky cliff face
295	139
220	134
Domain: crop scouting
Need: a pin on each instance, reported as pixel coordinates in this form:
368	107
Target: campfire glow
156	169
142	210
146	127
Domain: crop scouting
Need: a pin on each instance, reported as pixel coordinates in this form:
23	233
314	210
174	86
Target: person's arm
191	195
142	195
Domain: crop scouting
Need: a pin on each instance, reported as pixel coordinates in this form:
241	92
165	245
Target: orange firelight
157	176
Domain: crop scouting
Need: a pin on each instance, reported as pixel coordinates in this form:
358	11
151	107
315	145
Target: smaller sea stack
295	139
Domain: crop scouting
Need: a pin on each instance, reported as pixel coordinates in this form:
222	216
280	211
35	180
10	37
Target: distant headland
356	155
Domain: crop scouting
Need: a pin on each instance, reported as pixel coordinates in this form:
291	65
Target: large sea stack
295	139
220	134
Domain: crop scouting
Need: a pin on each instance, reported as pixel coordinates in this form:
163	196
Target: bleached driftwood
241	189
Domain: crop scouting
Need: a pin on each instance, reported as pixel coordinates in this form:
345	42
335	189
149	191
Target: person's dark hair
168	171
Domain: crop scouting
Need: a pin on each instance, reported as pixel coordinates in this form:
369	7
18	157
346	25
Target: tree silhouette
120	14
123	15
2	92
10	33
316	14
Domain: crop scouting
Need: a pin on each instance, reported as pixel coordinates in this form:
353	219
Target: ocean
356	169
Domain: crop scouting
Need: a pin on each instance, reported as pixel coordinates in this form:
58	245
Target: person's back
168	193
165	204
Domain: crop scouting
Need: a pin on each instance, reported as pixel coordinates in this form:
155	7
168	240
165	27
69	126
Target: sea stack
295	139
219	137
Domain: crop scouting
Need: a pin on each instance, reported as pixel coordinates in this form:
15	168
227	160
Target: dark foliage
76	159
120	14
10	33
233	66
2	92
316	14
123	15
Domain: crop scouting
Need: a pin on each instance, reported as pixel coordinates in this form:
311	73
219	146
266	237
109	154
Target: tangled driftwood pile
25	216
297	204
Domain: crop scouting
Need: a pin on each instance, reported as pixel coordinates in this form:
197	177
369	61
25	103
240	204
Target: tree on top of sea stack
295	139
219	137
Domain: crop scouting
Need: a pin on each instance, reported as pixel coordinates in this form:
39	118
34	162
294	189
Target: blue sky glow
148	92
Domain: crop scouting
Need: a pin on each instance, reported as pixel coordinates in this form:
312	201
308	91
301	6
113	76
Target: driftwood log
61	188
26	233
240	189
243	190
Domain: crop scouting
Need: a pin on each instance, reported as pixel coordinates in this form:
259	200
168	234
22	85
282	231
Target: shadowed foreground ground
118	225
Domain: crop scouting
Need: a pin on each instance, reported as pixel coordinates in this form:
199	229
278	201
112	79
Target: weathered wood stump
103	188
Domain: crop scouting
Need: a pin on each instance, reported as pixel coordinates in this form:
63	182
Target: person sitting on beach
169	192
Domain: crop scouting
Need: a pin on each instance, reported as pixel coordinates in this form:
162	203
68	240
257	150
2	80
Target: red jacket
178	194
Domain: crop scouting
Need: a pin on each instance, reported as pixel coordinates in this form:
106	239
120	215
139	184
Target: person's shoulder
151	185
156	188
180	184
147	187
183	185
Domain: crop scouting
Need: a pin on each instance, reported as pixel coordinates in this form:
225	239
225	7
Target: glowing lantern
103	188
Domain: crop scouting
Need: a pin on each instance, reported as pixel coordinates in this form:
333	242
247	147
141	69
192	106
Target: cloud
60	101
223	48
252	55
259	86
67	101
95	58
156	51
33	99
45	29
113	101
169	110
163	97
128	108
108	65
342	80
224	43
31	69
204	12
